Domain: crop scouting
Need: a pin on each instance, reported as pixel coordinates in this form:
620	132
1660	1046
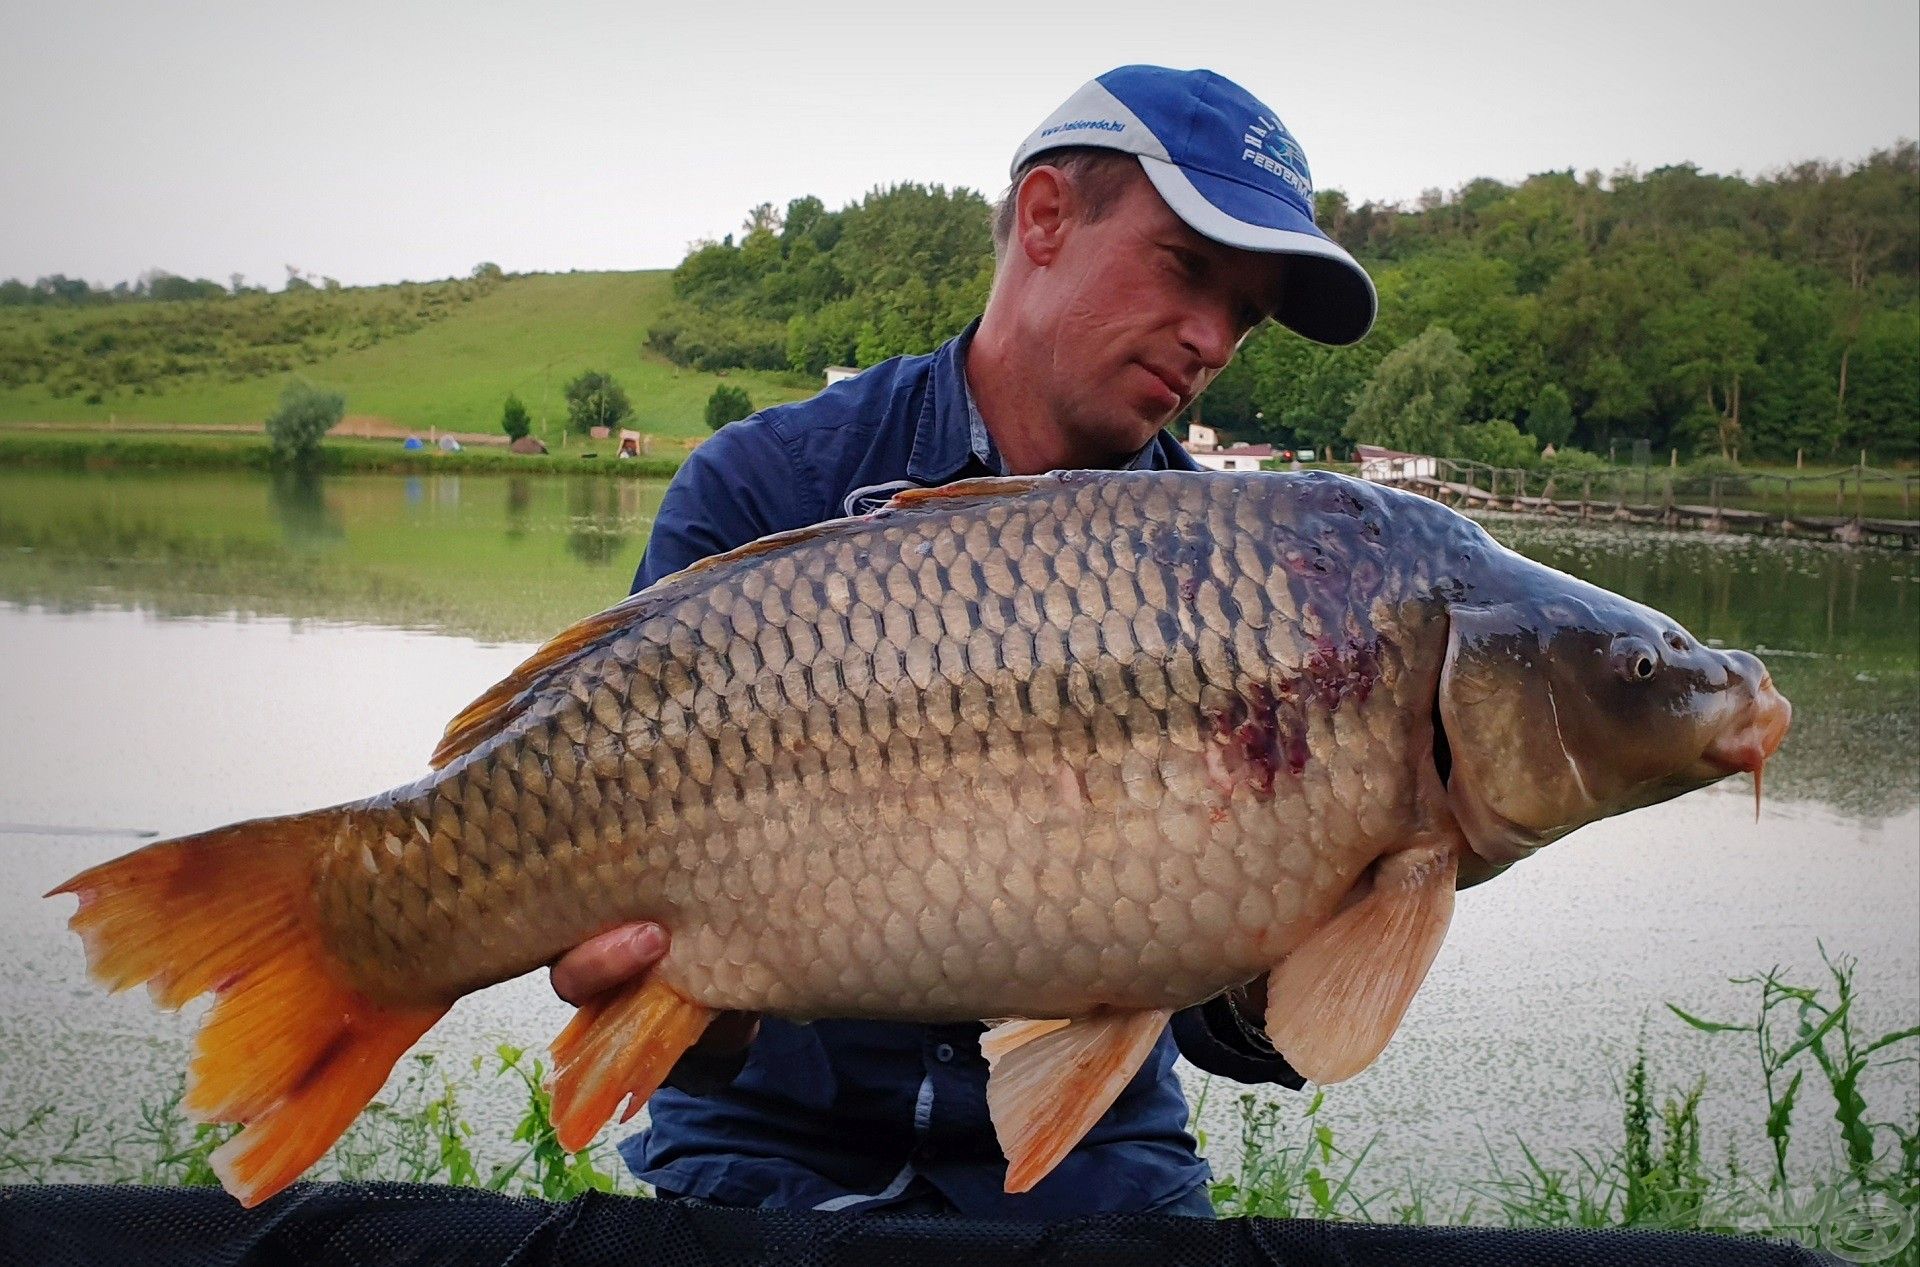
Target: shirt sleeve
736	487
1215	1039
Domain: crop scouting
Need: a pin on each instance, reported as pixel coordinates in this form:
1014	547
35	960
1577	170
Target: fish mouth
1749	743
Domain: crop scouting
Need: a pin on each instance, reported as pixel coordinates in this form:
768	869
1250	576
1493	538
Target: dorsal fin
981	489
490	714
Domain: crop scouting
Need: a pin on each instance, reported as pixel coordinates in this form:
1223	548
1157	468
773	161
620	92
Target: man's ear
1042	207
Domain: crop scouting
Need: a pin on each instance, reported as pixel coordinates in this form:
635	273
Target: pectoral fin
1051	1080
1335	1001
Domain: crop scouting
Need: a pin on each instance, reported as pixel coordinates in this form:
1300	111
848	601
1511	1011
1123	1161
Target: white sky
378	141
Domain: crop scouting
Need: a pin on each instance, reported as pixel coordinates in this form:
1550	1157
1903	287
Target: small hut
528	445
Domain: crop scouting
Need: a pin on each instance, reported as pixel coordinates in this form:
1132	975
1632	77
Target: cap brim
1328	297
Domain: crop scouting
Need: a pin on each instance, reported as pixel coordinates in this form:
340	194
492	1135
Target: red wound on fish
1262	732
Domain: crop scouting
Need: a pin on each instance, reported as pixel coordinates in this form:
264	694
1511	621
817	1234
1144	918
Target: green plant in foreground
1309	1178
1860	1206
1872	1203
1858	1202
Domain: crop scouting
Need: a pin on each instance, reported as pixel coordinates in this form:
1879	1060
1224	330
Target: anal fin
1051	1080
1335	1001
621	1044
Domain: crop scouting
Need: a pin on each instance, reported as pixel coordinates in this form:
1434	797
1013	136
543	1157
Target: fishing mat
366	1223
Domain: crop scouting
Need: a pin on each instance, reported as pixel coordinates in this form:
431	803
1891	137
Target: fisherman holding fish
1153	221
1083	754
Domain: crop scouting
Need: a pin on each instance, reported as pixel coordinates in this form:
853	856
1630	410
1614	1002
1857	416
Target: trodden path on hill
353	426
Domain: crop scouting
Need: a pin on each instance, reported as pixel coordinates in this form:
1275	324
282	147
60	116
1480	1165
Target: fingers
610	959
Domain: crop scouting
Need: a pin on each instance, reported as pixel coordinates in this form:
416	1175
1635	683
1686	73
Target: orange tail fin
288	1048
622	1043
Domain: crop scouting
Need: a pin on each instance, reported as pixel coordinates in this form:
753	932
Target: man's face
1141	313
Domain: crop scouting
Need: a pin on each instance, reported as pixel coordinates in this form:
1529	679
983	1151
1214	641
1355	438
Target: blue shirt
842	1114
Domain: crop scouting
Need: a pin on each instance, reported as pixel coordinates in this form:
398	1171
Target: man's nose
1209	334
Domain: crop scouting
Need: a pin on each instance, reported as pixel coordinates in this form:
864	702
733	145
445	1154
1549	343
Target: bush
514	420
595	400
727	404
305	414
1575	462
1497	443
1705	472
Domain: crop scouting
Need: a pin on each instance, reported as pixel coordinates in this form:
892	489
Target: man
1152	223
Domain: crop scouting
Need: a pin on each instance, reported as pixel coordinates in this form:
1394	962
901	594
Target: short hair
1098	176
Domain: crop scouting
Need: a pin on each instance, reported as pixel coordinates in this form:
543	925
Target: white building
840	374
1239	457
1203	442
1387	465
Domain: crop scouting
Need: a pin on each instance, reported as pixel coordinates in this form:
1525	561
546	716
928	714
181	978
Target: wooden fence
1854	505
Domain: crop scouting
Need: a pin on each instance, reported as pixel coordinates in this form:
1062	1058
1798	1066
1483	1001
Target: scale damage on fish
1074	751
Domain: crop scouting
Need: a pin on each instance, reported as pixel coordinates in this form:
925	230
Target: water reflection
519	503
1839	628
596	529
299	503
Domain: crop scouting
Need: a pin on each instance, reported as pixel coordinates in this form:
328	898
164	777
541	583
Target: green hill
444	356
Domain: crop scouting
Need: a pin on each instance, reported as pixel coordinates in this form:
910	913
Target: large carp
1073	751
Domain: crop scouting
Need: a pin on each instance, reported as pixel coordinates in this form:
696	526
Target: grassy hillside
526	335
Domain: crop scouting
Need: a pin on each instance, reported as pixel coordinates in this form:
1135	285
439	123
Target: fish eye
1635	660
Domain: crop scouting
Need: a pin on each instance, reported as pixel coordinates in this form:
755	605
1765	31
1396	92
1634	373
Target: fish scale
1000	721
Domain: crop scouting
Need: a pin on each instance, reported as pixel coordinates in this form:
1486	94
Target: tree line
1723	315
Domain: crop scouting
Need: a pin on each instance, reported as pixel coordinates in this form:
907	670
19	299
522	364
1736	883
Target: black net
389	1222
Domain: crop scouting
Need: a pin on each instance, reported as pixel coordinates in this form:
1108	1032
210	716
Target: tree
514	420
305	414
595	400
1497	443
727	404
1550	421
1416	398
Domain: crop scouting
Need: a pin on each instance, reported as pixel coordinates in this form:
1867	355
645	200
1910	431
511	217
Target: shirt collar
950	436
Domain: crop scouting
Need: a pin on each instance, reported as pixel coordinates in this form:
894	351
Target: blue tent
413	444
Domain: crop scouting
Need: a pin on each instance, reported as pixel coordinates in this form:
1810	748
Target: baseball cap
1225	164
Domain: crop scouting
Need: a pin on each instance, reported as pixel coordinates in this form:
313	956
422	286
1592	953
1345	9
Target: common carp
1065	753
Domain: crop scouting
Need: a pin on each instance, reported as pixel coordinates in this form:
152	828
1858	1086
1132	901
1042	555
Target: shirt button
943	1053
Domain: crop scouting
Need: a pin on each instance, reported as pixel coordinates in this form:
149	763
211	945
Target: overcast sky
378	141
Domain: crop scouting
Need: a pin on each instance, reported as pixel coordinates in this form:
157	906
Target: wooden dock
1851	530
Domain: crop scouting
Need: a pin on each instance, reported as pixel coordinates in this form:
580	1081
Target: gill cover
1492	692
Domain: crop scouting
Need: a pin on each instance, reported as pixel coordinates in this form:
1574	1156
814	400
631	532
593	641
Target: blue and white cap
1226	165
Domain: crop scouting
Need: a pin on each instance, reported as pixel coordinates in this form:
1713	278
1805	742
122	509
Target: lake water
188	650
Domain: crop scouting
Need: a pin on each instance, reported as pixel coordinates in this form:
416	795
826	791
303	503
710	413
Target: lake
187	650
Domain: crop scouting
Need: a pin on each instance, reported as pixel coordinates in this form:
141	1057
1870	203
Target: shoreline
204	451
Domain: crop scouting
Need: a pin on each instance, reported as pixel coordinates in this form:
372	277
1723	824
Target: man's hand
621	955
